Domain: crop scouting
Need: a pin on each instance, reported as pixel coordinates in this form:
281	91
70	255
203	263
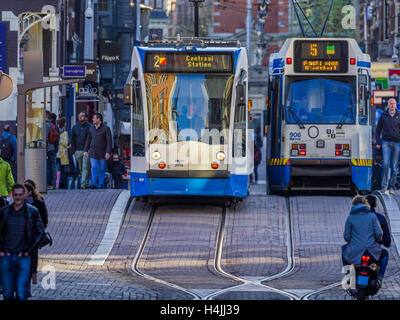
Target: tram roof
198	43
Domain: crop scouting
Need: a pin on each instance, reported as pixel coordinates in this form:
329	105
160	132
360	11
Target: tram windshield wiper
344	117
296	118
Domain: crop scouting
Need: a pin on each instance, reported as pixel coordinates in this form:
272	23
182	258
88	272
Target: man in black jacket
99	147
389	127
79	135
21	231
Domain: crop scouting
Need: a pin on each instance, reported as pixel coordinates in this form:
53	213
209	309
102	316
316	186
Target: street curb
112	230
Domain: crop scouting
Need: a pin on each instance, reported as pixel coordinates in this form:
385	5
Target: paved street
179	253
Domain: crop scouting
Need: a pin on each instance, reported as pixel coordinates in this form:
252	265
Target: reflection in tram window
321	100
186	107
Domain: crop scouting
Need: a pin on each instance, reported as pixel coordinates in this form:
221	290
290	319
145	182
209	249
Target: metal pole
248	30
196	19
365	29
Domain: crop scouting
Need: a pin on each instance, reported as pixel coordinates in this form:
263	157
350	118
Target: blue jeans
51	168
15	273
390	152
99	168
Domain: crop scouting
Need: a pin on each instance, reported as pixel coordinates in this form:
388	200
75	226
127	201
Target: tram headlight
221	156
156	155
294	152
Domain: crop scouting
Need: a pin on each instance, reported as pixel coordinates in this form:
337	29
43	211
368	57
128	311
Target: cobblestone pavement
181	248
77	222
255	241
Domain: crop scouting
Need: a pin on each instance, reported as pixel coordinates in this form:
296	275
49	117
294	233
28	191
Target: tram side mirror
241	94
128	94
130	90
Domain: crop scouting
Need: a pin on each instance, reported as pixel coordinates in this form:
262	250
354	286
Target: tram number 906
295	136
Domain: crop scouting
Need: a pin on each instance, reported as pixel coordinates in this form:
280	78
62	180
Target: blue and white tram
189	119
320	122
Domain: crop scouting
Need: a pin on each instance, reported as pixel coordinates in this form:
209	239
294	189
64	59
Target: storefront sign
3	46
74	71
394	77
110	51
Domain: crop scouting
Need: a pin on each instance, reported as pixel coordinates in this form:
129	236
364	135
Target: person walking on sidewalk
79	135
33	199
21	231
63	152
389	128
53	137
117	170
8	147
99	147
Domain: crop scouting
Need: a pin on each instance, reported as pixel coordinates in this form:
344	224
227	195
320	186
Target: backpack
6	148
54	135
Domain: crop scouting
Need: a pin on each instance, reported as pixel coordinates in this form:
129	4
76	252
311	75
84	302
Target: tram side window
138	136
363	99
239	126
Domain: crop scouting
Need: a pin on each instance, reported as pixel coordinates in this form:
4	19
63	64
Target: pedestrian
258	144
257	160
8	149
389	127
362	232
117	170
21	231
73	174
386	239
79	135
33	184
63	152
53	136
6	178
99	147
32	198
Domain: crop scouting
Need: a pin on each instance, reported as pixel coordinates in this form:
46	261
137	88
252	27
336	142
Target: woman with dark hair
33	184
32	198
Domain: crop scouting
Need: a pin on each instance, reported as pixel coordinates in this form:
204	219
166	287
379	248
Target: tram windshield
183	107
320	100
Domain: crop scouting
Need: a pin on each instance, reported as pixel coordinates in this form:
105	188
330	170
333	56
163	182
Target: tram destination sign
321	56
189	62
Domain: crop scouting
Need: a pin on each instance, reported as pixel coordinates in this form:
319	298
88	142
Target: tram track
259	284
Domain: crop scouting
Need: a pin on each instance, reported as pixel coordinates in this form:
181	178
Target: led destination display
188	62
321	56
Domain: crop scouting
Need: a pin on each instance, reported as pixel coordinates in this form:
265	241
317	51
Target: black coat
389	127
34	230
99	142
79	135
116	168
41	206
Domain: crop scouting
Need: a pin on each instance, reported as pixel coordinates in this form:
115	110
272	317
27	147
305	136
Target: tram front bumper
280	171
320	167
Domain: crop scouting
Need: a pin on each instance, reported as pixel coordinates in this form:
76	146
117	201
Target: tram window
138	136
363	98
239	134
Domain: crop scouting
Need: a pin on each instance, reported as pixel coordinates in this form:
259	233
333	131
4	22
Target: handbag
47	240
